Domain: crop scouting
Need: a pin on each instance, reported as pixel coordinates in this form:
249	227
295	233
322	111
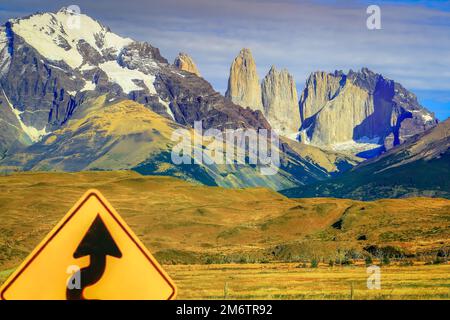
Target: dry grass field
246	243
288	281
185	223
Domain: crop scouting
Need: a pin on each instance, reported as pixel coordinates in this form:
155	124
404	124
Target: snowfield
55	38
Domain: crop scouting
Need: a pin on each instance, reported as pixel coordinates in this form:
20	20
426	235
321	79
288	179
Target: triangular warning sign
90	254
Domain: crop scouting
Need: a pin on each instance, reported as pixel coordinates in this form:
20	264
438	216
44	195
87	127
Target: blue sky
413	46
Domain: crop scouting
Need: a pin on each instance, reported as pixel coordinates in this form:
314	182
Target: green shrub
314	263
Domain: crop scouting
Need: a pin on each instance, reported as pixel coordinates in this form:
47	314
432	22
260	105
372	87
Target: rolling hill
183	222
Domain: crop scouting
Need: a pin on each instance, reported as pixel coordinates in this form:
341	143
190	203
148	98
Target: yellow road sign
90	254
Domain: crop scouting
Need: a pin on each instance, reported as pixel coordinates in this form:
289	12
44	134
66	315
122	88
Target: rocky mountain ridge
52	77
61	66
360	113
341	111
64	89
185	63
276	96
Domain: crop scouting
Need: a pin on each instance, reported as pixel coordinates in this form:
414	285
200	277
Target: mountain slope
113	137
421	166
13	135
124	134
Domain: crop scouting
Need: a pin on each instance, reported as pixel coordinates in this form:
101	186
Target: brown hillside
187	223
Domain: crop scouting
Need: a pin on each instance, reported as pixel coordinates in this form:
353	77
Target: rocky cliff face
193	99
280	101
244	87
359	111
184	62
320	88
276	97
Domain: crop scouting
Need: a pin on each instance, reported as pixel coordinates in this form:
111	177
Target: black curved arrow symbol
97	243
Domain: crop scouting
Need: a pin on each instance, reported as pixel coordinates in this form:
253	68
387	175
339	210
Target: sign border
110	209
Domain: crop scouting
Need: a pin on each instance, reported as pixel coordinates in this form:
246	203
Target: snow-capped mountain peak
51	62
63	36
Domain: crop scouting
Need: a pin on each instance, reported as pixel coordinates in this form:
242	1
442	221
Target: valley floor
291	281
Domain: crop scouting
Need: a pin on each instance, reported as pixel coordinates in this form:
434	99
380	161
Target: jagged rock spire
280	101
184	62
243	84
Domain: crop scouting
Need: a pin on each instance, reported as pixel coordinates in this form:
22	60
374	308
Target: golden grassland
201	233
295	282
288	281
185	223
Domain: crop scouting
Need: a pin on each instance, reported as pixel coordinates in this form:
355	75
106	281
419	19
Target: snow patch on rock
168	110
357	146
124	77
33	133
89	85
